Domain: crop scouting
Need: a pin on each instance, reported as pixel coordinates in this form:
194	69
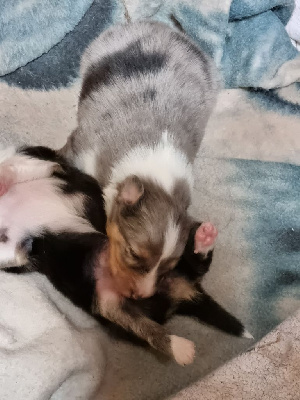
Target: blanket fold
48	347
247	39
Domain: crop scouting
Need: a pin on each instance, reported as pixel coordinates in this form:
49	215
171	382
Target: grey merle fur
139	80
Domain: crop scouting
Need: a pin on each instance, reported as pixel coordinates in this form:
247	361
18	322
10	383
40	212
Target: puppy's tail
206	310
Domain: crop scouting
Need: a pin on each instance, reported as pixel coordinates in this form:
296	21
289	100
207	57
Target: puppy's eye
133	254
140	269
168	265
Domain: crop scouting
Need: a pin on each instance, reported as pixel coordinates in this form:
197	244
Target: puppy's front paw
205	238
183	350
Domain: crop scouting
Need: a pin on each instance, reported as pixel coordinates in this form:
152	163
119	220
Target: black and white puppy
38	192
57	228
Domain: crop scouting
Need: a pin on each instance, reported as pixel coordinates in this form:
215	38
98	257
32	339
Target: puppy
146	96
35	195
76	259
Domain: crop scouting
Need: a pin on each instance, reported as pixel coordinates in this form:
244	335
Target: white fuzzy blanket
48	348
269	371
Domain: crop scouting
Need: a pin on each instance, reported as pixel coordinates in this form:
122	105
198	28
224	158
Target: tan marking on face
124	276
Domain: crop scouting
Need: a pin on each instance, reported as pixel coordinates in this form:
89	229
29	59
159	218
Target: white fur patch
246	334
87	162
183	350
162	163
16	168
6	153
146	285
171	239
204	249
7	253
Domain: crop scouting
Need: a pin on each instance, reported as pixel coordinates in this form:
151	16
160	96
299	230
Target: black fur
125	64
62	257
205	309
202	307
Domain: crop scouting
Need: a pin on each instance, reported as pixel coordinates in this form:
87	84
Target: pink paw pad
205	237
6	181
4	187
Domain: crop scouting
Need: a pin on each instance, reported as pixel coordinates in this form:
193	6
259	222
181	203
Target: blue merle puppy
146	96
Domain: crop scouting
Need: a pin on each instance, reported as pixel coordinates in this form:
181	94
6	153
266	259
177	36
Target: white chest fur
162	163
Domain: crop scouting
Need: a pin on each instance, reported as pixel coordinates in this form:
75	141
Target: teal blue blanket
247	38
30	28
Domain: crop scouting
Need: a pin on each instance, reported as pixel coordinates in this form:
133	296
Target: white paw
246	334
183	350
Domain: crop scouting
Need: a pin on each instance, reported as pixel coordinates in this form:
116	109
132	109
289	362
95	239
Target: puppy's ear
130	191
181	193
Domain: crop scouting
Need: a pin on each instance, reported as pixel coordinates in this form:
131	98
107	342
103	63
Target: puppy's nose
137	296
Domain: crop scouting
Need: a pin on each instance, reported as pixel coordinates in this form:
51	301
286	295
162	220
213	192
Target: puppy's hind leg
205	309
18	168
123	313
205	237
